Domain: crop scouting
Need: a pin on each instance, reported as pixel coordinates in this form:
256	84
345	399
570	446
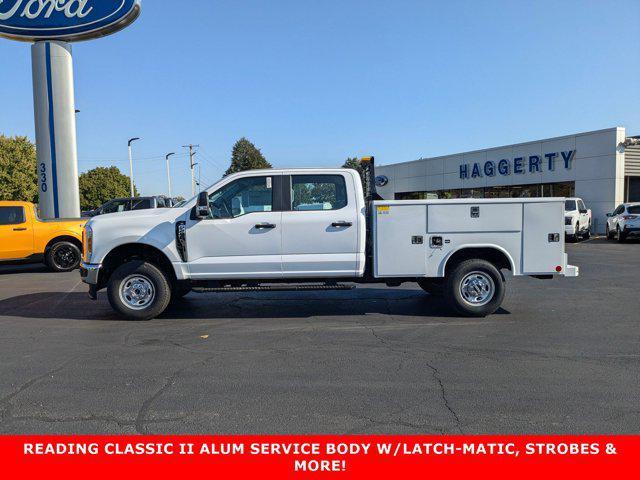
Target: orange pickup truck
25	237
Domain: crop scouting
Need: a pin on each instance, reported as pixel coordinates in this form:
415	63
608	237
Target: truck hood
135	218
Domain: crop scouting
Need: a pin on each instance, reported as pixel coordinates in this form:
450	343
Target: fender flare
443	264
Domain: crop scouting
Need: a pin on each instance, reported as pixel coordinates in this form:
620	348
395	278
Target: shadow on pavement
360	302
24	268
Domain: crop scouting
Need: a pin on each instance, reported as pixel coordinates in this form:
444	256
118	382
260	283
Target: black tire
620	236
433	286
464	272
145	285
179	290
63	256
608	233
587	233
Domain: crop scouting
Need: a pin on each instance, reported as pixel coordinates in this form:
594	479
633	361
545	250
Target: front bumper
569	230
89	272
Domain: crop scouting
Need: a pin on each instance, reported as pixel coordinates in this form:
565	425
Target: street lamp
169	171
131	140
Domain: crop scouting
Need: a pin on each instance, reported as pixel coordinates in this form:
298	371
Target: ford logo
68	20
381	181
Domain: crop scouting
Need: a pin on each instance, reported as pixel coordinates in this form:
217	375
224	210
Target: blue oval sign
69	20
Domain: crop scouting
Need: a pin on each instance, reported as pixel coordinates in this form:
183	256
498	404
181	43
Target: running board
275	288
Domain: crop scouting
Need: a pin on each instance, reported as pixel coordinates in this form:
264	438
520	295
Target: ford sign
67	20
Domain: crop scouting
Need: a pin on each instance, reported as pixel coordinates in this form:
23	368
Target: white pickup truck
308	229
577	219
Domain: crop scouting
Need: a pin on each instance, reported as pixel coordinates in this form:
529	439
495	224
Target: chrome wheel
137	292
477	289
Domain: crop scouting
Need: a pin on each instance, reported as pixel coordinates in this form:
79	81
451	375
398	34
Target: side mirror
583	211
202	206
609	214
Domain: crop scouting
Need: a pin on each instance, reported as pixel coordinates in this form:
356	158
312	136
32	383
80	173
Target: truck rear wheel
474	288
139	291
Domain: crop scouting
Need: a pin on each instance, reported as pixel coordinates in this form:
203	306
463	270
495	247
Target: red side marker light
558	268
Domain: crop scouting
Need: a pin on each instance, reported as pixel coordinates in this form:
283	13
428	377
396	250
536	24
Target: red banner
357	456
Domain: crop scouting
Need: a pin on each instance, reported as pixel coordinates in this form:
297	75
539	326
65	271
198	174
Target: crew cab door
16	233
320	226
243	237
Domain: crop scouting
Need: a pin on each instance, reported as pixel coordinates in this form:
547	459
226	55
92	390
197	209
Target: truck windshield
570	205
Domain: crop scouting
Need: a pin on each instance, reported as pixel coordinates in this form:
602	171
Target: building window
632	189
561	189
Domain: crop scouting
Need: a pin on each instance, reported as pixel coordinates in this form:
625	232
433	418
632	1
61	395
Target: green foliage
354	164
18	175
245	156
102	184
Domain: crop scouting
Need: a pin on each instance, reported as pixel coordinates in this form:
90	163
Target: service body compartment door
478	217
542	237
400	240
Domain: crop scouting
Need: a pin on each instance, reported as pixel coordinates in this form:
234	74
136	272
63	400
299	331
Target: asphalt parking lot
562	356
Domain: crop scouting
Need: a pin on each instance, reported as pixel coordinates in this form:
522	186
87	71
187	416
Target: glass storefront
561	189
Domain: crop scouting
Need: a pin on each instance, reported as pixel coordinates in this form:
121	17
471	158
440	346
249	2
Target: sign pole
55	125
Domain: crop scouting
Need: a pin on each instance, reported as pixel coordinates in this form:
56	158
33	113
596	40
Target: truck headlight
87	243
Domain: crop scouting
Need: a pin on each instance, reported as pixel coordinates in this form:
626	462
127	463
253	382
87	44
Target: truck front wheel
139	291
474	288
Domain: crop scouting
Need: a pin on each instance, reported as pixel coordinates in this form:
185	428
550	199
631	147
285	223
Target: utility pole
131	140
192	165
169	171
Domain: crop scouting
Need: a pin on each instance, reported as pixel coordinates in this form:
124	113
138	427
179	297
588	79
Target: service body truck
321	229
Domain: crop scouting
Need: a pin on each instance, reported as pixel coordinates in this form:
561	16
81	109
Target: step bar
274	288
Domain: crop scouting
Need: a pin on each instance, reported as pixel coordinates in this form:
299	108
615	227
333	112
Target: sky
312	82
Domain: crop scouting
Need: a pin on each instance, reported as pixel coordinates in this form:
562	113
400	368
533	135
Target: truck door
16	233
243	237
320	226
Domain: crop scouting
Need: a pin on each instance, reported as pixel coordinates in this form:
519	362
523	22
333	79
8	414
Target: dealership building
602	167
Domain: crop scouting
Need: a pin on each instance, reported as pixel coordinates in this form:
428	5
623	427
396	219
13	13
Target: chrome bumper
89	272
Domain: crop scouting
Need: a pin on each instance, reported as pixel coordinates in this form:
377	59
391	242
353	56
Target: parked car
131	203
307	229
24	237
577	219
624	222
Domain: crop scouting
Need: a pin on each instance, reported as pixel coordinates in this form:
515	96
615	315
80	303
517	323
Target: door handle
19	229
265	226
342	224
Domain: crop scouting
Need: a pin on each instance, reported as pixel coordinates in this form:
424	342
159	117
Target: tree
354	164
245	156
102	184
18	175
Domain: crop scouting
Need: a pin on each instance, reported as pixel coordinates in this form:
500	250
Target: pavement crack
443	392
29	383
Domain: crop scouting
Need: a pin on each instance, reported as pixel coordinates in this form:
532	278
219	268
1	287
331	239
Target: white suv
624	222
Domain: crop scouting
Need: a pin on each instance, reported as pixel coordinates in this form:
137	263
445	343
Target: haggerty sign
66	20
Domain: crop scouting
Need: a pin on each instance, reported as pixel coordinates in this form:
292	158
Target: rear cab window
318	193
12	215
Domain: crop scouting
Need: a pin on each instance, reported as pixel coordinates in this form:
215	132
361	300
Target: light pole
169	171
131	140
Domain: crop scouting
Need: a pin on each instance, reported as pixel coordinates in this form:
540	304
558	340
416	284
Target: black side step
275	288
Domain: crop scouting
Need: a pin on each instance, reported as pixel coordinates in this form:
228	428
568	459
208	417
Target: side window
141	204
11	215
619	210
241	197
116	206
581	205
318	192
